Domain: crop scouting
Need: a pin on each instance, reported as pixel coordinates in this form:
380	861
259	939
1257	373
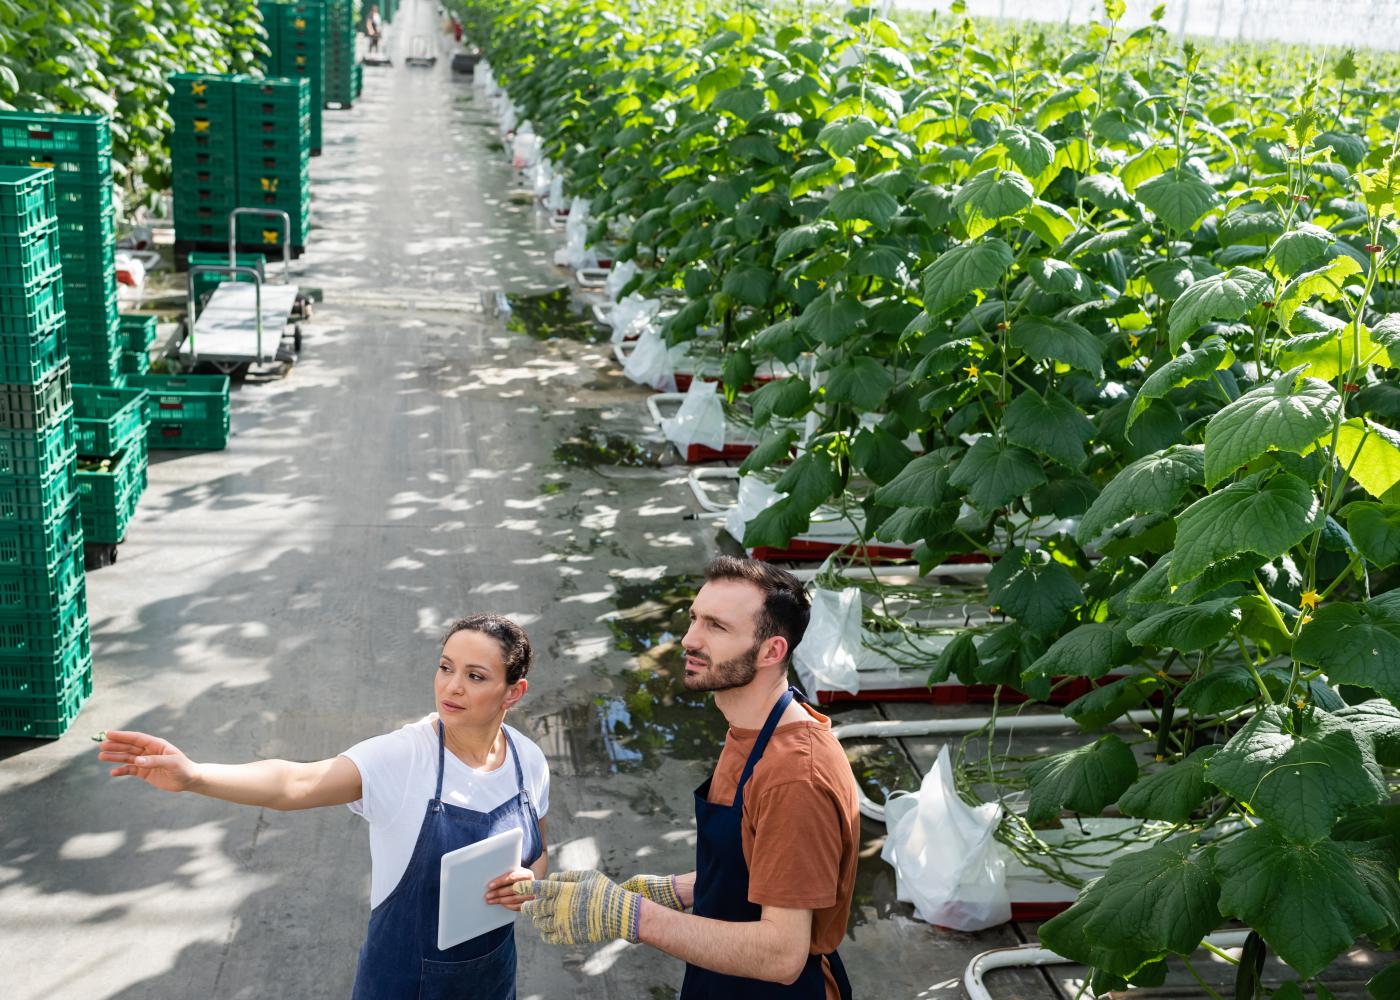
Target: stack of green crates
296	38
186	411
138	332
79	149
202	155
340	52
274	166
45	648
111	436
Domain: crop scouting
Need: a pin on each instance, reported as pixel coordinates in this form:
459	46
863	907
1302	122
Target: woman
446	781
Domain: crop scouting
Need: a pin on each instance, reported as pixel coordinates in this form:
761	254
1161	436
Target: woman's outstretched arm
274	784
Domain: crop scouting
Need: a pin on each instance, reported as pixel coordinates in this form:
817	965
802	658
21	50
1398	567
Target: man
777	824
374	27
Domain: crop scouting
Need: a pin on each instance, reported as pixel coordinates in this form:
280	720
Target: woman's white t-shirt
398	773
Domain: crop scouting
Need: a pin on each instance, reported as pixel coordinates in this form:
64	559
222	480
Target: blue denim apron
400	959
722	890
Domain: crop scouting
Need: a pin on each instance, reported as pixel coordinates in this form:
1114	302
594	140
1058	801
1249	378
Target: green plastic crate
36	547
26	199
38	454
24	591
38	133
135	363
109	496
107	418
34	406
46	717
35	500
26	310
46	676
45	633
26	259
186	411
138	330
31	359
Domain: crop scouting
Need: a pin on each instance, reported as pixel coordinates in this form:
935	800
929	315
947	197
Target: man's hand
581	907
657	888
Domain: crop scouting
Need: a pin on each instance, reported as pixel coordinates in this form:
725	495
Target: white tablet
463	912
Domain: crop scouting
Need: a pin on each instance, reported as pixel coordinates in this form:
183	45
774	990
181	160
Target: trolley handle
277	215
230	270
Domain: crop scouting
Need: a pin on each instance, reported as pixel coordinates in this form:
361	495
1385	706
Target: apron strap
515	756
437	795
764	735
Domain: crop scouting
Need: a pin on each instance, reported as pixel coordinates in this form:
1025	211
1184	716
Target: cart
244	323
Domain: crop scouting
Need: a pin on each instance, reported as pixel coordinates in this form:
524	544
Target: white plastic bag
700	420
575	254
555	201
542	177
619	277
826	657
755	496
651	364
525	147
633	317
946	861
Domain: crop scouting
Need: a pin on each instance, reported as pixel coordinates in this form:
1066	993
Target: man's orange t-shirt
801	824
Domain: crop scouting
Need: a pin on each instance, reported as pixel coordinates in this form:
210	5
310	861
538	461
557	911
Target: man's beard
729	674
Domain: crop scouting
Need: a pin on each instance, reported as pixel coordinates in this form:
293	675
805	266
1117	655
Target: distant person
451	779
374	27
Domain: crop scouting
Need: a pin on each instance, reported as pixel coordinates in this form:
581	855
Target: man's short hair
786	607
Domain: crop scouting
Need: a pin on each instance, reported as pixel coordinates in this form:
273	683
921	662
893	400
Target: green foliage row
1118	316
112	57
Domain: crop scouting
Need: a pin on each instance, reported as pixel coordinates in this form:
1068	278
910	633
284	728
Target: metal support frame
276	214
230	270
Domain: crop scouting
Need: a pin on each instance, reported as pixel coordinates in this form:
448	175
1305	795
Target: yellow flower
1300	703
1308	600
1133	340
1306	619
972	372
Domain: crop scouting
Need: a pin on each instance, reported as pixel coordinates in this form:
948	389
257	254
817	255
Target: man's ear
773	651
516	691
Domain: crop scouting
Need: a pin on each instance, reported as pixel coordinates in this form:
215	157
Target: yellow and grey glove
581	907
657	888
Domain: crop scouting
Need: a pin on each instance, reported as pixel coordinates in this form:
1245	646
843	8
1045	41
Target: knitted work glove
657	888
581	907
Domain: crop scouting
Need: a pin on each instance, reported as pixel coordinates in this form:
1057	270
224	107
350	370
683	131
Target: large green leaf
782	397
1104	191
1028	149
1325	282
803	237
841	137
1307	901
832	316
1067	934
1219	689
1302	778
964	269
749	285
994	474
771	450
1370	452
1299	247
1173	793
988	197
1226	296
1178	199
1050	425
864	382
1059	340
1380	720
1162	899
1194	365
1189	627
863	202
919	484
1058	277
1151	485
1287	414
1034	589
1375	529
1266	516
1355	644
1085	780
809	481
1089	650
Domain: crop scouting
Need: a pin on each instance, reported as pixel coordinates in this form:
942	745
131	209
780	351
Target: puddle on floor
590	448
551	315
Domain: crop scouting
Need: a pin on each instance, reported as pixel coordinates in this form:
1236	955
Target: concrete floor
284	598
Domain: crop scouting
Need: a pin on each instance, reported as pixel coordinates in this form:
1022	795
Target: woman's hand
155	761
499	891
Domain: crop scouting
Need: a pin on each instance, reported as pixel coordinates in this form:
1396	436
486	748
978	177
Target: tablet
463	912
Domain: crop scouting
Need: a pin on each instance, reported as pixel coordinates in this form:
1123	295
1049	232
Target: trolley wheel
99	554
296	338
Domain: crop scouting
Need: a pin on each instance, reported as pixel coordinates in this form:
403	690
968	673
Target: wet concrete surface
428	456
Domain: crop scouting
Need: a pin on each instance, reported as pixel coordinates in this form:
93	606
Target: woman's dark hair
514	643
786	607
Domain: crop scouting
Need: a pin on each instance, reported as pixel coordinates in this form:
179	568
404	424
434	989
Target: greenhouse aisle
285	598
